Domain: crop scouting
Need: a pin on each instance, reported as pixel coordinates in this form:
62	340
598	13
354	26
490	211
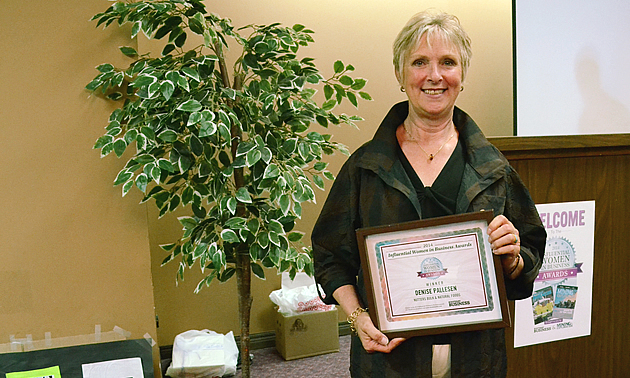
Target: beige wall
74	254
361	33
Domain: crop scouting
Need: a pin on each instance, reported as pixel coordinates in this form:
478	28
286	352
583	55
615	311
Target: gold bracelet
353	318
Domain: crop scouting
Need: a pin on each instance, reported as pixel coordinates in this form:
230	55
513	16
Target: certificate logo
431	268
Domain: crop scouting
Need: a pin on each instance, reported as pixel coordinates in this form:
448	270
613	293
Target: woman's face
432	78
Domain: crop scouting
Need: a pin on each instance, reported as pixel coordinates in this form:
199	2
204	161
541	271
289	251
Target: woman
428	158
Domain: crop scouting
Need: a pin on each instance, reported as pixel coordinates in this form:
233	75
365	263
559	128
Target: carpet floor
268	363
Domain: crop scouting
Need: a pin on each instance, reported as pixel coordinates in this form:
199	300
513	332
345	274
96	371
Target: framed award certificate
433	276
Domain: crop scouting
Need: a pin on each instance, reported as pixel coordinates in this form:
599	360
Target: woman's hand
505	241
372	339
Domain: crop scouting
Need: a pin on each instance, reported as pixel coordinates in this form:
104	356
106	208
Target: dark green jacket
372	189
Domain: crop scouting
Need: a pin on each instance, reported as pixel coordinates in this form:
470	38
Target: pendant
431	156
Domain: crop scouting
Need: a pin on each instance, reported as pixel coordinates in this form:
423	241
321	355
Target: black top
440	198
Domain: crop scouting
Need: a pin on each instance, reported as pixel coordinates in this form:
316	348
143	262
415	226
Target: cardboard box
307	334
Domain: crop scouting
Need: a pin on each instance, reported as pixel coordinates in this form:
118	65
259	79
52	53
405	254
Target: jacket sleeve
335	251
521	211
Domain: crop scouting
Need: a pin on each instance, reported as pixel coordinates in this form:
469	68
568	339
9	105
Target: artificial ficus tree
230	142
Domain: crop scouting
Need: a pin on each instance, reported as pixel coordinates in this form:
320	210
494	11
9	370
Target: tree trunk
243	269
243	277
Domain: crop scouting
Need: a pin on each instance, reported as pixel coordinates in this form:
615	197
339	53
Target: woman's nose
434	73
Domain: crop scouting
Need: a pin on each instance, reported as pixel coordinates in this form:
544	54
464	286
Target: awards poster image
560	306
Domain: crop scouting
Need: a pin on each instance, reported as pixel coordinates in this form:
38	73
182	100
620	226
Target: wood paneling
579	168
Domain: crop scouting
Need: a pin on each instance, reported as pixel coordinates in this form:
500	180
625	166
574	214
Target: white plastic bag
203	354
299	299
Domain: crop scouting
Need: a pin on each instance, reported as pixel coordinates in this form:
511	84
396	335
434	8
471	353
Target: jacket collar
484	163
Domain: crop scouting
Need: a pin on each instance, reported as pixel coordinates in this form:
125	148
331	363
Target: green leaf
253	225
195	145
194	118
148	132
339	66
302	261
245	147
127	187
328	91
229	236
253	157
365	96
168	136
285	202
271	171
168	247
231	204
129	51
352	98
295	236
266	155
168	49
258	270
141	182
122	176
243	195
166	165
358	84
187	195
107	149
289	146
276	227
329	105
105	139
190	106
105	68
191	73
227	274
320	166
188	222
135	29
180	40
94	84
119	147
319	182
205	281
346	80
167	88
144	80
255	252
184	162
322	120
207	129
155	174
195	26
315	136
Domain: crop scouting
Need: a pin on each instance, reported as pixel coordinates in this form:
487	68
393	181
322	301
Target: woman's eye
418	63
450	62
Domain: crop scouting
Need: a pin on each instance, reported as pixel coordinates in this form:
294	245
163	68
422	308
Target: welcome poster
560	306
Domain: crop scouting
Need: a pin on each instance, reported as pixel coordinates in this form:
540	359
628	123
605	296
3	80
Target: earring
461	89
402	89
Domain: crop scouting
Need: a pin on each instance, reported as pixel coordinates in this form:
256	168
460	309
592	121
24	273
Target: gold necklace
430	156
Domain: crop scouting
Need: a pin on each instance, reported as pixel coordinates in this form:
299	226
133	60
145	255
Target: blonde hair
433	24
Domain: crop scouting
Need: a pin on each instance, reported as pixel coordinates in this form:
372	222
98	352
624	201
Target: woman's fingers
372	339
503	236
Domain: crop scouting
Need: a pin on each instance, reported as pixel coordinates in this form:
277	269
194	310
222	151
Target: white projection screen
572	67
